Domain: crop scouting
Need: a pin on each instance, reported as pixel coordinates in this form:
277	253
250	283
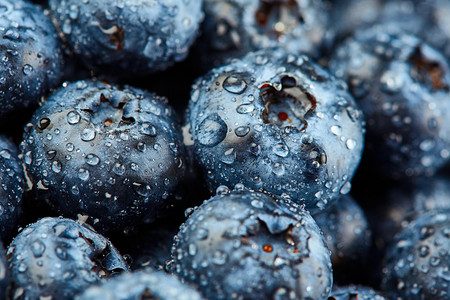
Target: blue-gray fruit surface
12	183
248	245
277	122
417	262
145	284
402	86
114	155
58	258
355	292
234	28
30	55
132	37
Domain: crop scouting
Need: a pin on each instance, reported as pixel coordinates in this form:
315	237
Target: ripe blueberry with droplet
128	38
57	258
277	122
30	55
248	245
403	87
112	154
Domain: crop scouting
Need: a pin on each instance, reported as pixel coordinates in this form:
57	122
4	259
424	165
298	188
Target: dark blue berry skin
59	258
4	273
425	19
30	55
402	86
347	233
144	284
417	263
234	28
355	292
410	200
277	122
114	155
129	37
248	245
12	183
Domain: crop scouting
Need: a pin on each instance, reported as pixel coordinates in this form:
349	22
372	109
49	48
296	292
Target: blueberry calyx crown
287	106
427	70
277	17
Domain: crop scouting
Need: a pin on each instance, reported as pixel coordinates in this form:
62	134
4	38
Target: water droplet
148	129
281	150
5	154
278	169
43	123
234	84
61	253
202	233
92	159
336	129
242	131
257	203
37	248
351	144
346	188
141	189
88	134
192	249
142	147
73	117
245	108
212	131
223	189
70	147
119	169
51	154
83	174
219	257
56	166
229	156
27	69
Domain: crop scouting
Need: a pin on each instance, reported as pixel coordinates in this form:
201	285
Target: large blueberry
30	55
57	258
248	245
234	28
277	122
402	85
133	37
112	154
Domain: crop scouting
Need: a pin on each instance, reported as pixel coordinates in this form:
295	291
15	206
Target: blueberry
409	200
128	37
355	292
426	19
402	85
242	244
144	284
4	273
417	263
112	154
277	122
12	183
234	28
30	55
347	233
58	258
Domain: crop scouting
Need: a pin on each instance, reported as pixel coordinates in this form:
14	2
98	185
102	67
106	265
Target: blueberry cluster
224	149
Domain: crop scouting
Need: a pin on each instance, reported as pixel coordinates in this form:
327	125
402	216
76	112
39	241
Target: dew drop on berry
73	117
88	134
37	248
242	131
234	84
245	108
92	159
